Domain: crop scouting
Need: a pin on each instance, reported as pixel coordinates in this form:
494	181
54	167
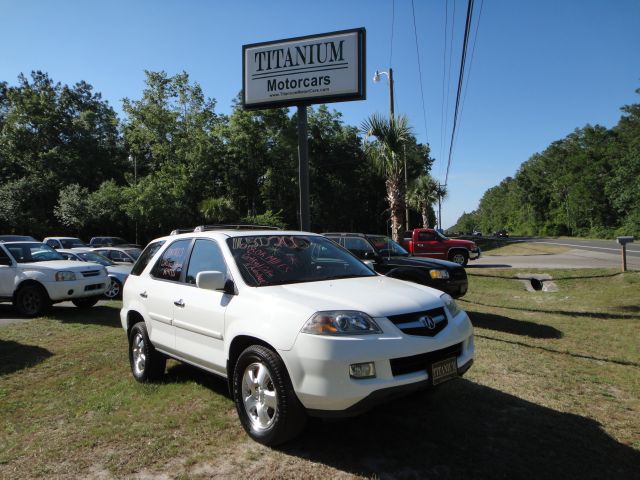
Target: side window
171	262
51	243
4	258
358	246
145	257
206	256
426	236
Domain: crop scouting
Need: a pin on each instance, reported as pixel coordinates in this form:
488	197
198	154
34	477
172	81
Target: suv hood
68	265
421	262
377	296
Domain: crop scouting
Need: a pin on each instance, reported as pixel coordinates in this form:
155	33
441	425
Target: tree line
70	165
586	184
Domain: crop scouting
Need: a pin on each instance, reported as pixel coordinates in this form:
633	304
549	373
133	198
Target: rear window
145	257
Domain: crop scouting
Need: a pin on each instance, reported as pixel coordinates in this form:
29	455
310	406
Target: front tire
86	302
147	364
32	301
269	409
460	257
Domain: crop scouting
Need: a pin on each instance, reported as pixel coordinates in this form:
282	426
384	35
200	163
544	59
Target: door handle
179	303
143	294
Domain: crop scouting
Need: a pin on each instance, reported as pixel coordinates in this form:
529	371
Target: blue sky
540	69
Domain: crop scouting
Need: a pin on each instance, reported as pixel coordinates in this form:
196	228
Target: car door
7	274
199	314
157	293
428	244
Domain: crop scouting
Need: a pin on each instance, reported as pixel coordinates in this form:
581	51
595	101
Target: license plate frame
443	370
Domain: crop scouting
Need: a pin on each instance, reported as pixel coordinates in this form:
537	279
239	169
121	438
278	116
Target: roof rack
177	231
205	228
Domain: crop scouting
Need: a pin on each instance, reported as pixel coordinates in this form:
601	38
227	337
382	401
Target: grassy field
501	248
554	393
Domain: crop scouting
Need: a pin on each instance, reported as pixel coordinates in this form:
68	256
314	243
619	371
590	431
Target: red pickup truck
427	242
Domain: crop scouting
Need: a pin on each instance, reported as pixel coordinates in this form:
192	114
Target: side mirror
214	280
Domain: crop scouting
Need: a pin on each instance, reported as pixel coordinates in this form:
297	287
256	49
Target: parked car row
28	266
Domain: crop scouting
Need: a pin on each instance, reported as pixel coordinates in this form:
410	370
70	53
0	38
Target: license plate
444	370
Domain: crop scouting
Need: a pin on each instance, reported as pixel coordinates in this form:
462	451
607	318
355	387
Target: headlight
340	322
439	274
65	276
451	305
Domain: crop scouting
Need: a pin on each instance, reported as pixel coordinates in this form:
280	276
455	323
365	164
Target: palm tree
390	137
422	194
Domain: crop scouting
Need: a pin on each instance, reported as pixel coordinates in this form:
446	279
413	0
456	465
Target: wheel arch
26	282
133	317
237	346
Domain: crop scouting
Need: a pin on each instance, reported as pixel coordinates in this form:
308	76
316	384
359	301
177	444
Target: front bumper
319	365
69	290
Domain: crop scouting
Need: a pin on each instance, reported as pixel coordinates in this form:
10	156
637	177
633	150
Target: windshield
387	247
72	243
32	252
95	257
265	260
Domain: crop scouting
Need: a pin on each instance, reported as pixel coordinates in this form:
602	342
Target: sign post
303	71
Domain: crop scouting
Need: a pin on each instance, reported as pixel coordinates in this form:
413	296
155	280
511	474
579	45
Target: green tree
422	194
72	209
51	136
391	136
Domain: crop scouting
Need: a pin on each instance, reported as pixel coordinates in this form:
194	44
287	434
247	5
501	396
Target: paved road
605	246
583	254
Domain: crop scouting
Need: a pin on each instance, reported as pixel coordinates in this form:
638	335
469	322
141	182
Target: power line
463	59
473	51
446	117
445	82
424	109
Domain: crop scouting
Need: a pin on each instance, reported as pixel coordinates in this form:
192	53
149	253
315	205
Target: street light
376	79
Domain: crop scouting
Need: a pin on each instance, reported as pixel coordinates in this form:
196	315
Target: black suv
389	258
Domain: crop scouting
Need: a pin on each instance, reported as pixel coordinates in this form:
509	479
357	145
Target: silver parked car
117	273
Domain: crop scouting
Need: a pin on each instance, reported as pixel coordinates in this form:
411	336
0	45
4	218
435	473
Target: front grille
421	362
458	274
91	273
417	323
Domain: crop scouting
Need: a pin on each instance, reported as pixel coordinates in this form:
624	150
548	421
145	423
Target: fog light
362	370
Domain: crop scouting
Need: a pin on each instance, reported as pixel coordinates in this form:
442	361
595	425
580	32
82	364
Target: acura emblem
428	322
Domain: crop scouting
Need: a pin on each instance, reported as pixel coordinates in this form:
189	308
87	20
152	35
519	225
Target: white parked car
297	325
33	276
64	242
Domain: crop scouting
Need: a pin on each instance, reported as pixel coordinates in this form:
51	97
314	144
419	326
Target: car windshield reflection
266	260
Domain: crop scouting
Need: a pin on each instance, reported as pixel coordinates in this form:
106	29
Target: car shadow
16	356
509	325
466	430
183	373
489	265
572	313
102	314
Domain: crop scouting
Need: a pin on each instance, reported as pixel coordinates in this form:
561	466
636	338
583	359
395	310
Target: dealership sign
305	70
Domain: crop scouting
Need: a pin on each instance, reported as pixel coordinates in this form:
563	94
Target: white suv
33	276
296	324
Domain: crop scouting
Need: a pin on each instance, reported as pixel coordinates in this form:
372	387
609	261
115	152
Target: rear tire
460	257
32	301
147	364
86	302
267	405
